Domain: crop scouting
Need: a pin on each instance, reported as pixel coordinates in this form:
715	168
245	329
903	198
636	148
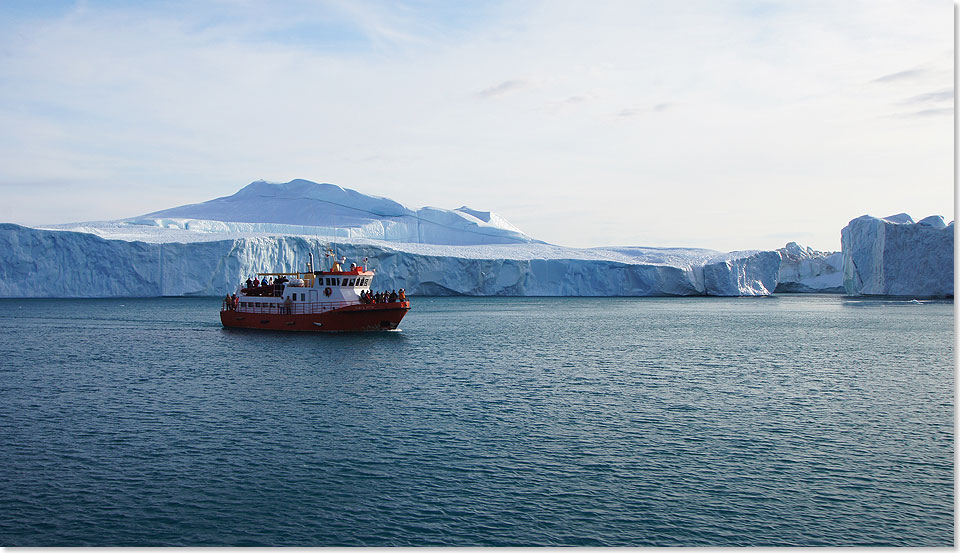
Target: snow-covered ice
208	248
327	209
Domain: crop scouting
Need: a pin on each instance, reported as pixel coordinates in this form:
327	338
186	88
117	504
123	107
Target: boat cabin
307	292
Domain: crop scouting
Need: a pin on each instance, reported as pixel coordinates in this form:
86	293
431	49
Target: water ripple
803	420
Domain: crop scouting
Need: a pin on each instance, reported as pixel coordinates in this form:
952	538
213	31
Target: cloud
932	112
405	99
503	88
945	95
908	75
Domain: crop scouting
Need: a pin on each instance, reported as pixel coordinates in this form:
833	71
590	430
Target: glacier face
208	248
808	270
47	263
749	273
894	256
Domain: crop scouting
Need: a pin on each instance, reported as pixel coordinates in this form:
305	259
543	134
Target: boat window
303	297
294	296
352	281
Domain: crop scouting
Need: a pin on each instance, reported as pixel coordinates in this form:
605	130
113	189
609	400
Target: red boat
314	301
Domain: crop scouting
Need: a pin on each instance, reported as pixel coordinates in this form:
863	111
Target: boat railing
298	308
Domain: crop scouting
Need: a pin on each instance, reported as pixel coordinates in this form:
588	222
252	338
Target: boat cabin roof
357	271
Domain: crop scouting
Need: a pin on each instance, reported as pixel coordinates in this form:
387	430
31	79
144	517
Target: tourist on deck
236	302
249	283
256	283
393	296
403	295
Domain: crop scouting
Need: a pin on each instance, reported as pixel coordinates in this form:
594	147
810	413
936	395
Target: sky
723	124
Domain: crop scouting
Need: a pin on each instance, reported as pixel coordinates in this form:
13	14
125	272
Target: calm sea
790	420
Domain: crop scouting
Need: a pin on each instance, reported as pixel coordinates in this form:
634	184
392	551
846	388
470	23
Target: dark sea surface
790	420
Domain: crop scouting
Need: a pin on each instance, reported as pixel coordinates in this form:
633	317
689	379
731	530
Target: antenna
334	215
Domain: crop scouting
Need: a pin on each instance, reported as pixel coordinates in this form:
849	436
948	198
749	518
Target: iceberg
747	273
328	209
803	269
894	256
208	248
58	263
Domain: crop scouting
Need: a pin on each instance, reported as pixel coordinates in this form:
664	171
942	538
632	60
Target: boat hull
352	318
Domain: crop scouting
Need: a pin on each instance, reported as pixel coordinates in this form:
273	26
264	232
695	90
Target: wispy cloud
503	88
907	75
945	95
205	97
924	113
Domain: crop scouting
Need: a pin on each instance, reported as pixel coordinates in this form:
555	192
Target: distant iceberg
49	263
208	248
803	269
894	256
329	210
750	273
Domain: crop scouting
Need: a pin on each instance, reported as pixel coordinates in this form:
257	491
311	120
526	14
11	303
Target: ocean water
790	420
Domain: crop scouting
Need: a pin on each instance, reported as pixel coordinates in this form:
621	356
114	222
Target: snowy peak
487	217
328	209
247	205
900	219
935	221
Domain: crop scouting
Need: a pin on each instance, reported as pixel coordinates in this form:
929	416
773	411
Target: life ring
327	291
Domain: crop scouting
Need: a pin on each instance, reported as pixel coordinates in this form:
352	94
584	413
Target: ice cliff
895	256
803	269
50	263
208	248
